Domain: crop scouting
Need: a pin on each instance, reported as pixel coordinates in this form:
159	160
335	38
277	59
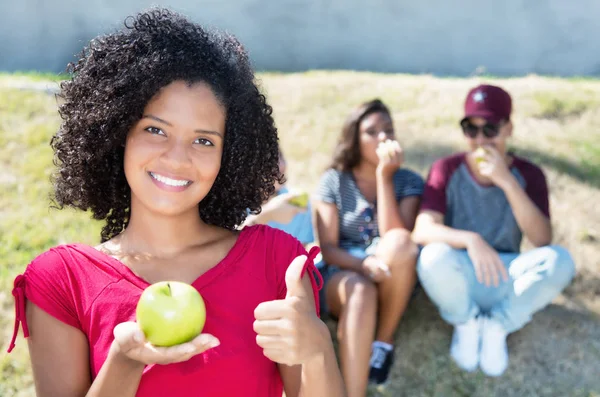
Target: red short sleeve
286	249
536	186
47	283
434	193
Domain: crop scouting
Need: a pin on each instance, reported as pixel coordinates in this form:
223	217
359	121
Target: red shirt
94	292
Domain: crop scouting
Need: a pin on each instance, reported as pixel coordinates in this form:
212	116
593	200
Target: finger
478	272
390	148
128	335
489	158
379	276
397	151
494	273
484	273
271	310
269	327
293	278
384	152
384	268
485	169
502	269
198	345
205	341
270	342
278	355
487	276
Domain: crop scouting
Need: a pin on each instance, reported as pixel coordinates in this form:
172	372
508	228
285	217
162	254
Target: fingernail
189	349
213	343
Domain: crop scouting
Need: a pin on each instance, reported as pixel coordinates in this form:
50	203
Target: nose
176	156
382	136
480	139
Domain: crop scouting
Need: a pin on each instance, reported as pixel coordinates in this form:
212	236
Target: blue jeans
536	277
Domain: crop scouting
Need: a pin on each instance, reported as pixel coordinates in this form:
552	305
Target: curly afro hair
108	89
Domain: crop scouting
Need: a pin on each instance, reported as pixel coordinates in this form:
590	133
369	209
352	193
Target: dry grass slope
557	124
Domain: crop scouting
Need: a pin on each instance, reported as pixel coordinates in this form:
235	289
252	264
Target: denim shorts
327	271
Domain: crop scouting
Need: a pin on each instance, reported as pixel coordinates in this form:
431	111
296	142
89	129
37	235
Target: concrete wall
510	37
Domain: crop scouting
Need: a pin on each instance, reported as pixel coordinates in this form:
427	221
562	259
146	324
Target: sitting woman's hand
130	342
278	209
288	330
391	157
375	269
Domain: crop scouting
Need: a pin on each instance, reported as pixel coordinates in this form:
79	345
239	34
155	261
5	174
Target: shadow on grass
588	173
556	354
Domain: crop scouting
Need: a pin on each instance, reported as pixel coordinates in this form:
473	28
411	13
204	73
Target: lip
166	187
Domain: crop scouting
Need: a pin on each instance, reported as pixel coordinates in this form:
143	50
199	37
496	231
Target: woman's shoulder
407	173
268	241
331	174
73	260
260	233
59	254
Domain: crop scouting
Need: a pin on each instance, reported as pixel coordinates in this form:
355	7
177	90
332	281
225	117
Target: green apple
480	155
170	313
301	200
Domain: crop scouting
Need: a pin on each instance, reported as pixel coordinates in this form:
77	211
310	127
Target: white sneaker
465	345
494	353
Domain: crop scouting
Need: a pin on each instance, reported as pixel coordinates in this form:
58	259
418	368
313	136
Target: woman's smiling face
173	153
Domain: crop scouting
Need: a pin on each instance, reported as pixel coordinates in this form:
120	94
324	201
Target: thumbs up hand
288	330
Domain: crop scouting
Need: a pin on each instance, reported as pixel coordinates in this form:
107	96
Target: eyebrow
200	131
384	125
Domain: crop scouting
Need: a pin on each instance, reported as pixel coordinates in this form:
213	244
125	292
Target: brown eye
204	142
154	131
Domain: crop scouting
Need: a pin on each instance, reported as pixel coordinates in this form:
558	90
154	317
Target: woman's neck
163	236
365	171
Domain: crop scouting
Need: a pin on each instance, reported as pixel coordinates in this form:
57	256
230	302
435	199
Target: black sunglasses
471	130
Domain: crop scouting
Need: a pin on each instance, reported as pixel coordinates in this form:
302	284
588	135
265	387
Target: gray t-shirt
467	205
357	217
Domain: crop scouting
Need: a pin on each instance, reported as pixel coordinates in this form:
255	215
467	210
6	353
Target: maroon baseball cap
489	102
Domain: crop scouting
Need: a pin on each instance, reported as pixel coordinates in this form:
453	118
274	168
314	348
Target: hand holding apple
479	154
170	317
288	330
130	342
493	165
391	157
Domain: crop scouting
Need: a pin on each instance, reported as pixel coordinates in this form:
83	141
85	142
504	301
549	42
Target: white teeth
169	181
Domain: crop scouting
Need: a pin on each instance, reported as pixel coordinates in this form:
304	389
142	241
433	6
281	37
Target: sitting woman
365	207
286	210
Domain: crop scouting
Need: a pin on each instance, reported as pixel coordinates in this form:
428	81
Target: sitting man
475	209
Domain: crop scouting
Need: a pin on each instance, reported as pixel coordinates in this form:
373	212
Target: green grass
35	76
557	124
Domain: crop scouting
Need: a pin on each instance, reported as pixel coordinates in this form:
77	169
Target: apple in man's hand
170	313
480	155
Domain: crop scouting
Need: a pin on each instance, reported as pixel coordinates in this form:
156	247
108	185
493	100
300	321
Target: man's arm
535	225
430	228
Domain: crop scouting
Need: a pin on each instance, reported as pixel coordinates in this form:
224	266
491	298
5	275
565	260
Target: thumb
293	278
128	335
